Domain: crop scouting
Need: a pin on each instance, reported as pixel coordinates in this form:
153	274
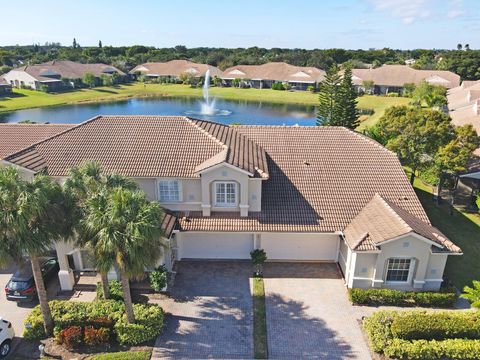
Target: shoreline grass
260	345
27	99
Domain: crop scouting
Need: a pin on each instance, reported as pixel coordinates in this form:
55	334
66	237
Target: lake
228	112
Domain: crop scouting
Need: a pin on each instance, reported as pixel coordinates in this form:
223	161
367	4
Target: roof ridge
393	211
370	140
202	130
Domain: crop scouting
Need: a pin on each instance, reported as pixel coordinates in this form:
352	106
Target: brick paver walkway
210	315
309	315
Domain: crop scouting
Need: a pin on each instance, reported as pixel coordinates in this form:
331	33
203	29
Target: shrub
70	337
148	325
378	329
422	349
436	326
472	294
93	336
392	94
278	86
116	292
158	278
311	88
377	297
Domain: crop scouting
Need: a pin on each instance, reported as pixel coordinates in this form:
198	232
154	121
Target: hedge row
377	297
423	349
105	313
438	326
411	334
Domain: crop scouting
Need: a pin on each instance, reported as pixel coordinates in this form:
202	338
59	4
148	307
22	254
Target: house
264	76
174	69
56	74
312	194
5	87
15	137
392	78
464	104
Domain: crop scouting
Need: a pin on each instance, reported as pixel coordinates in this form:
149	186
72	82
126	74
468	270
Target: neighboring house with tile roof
299	193
56	74
265	75
392	78
174	69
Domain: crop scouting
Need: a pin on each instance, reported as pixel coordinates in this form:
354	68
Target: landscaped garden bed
97	326
424	335
445	298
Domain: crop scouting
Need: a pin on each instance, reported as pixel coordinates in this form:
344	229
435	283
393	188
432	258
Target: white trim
216	166
434	280
362	278
411	269
180	190
415	235
225	204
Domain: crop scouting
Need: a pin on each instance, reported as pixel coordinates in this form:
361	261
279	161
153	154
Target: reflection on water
238	112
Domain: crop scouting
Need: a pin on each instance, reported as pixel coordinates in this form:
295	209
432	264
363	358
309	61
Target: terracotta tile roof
276	71
175	68
66	69
398	75
15	137
144	146
382	220
320	179
168	224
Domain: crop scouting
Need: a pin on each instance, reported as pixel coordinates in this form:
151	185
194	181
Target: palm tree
124	229
472	294
86	181
34	216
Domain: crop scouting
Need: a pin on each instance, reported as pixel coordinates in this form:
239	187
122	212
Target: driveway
309	315
210	313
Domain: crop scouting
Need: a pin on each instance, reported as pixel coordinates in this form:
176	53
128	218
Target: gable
236	72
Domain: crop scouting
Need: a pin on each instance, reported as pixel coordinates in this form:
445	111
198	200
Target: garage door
320	247
215	246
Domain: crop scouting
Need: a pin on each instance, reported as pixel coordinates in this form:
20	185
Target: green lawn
24	99
127	355
462	228
260	347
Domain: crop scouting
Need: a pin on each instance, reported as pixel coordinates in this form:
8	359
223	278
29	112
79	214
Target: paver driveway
210	315
309	315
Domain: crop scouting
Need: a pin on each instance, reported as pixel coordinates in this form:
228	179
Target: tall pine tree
348	101
329	96
338	100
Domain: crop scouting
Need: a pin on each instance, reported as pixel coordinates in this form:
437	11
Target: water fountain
207	107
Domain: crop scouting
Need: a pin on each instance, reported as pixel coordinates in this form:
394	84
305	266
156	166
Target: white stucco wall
18	76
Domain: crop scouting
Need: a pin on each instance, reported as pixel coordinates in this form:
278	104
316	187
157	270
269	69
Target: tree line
463	61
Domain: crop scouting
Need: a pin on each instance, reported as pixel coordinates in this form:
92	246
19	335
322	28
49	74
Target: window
169	191
398	270
226	193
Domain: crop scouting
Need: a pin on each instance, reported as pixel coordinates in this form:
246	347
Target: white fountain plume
208	107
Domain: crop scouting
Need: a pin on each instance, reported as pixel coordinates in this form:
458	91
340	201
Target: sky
309	24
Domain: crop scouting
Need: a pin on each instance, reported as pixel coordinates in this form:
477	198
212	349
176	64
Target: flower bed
104	314
424	335
376	297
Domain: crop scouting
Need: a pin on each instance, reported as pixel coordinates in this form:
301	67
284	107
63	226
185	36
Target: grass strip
260	347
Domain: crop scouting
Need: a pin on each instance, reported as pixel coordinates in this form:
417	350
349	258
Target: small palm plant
259	256
472	294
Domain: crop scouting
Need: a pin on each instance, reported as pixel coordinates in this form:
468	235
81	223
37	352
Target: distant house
392	78
464	104
56	74
264	76
174	69
5	87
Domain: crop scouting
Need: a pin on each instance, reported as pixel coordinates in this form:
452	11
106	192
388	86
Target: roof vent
306	163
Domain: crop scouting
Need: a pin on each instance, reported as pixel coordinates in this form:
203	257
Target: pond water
227	112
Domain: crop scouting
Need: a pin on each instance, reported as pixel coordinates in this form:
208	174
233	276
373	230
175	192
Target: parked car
21	286
6	335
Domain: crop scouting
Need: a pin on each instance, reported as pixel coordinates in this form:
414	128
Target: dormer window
169	191
226	194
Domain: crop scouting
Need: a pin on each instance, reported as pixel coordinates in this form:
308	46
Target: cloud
408	11
455	13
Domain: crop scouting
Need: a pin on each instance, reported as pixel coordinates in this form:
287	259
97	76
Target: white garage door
290	246
215	246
